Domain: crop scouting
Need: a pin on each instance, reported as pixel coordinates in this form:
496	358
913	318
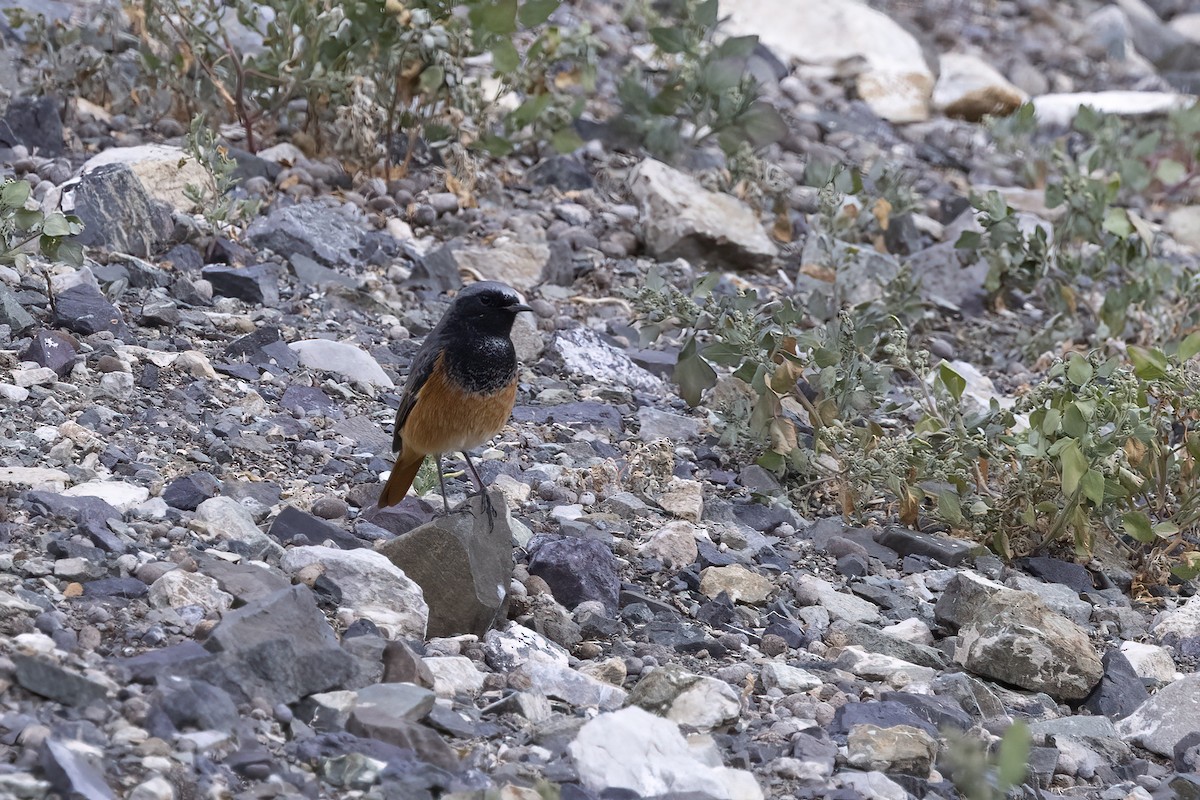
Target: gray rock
71	775
44	677
117	213
84	310
698	701
1120	691
1182	623
1079	727
463	563
900	748
567	173
280	648
296	527
310	273
232	524
246	582
964	596
584	352
975	697
329	235
377	722
35	123
874	640
839	604
196	704
402	700
577	570
886	714
657	424
1017	639
257	284
682	219
1058	598
341	358
189	491
12	313
559	681
372	586
941	712
1161	722
945	550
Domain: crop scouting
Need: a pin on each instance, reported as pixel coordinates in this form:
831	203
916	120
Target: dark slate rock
223	250
71	775
403	664
54	349
136	272
128	588
12	313
566	173
55	682
84	310
326	235
267	493
188	491
402	762
884	714
438	269
251	166
581	413
941	712
293	526
1055	570
576	570
377	722
1180	787
34	122
245	582
184	258
258	284
196	704
950	552
279	648
117	213
310	273
765	518
711	556
833	536
872	639
789	630
463	563
1120	691
310	399
852	566
902	237
264	348
185	658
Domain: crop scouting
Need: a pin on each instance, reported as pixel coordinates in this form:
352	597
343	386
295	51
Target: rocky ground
198	597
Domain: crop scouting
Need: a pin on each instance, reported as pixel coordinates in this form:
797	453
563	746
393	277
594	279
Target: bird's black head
488	306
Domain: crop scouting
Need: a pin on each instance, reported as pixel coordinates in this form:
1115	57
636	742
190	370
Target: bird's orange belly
446	419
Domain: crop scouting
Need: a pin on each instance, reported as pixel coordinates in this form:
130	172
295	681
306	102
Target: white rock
841	605
284	153
682	219
508	649
230	522
1188	25
37	478
163	170
875	785
157	788
634	750
118	494
372	587
788	679
179	588
584	353
970	88
896	82
1169	715
454	675
14	394
570	686
1183	224
674	544
1182	622
980	390
880	667
739	583
683	498
1058	110
508	260
34	376
1150	661
910	630
342	358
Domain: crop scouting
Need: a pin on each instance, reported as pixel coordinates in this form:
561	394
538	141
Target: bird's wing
422	367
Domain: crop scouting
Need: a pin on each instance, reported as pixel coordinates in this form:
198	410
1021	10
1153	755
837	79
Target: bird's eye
488	300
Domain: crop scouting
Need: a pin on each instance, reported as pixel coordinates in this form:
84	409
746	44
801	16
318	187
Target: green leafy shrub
215	201
22	228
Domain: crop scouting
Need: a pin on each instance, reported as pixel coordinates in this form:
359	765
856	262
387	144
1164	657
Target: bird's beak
519	307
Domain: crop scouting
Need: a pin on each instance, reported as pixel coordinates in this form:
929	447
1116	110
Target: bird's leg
437	457
487	501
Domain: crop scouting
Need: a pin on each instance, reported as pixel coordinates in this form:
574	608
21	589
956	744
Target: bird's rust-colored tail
403	473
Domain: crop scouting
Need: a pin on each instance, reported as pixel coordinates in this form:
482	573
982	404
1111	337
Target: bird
461	387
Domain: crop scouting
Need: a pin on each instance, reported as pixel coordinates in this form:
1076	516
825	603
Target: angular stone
454	675
332	236
584	352
53	681
463	563
164	171
84	310
117	214
296	527
886	714
1161	722
840	605
682	498
1054	570
247	582
880	667
788	679
738	582
969	88
280	648
1150	662
372	586
646	756
1182	623
196	704
941	712
188	491
71	775
53	349
179	588
903	749
964	596
577	570
403	700
257	284
674	545
1017	639
12	313
508	260
694	700
945	550
572	687
877	641
231	522
34	122
376	722
1120	691
682	219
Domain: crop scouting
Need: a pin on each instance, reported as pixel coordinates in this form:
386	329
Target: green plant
981	775
223	211
696	90
21	227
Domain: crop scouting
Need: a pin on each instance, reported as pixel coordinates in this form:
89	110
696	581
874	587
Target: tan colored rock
969	88
163	170
741	584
